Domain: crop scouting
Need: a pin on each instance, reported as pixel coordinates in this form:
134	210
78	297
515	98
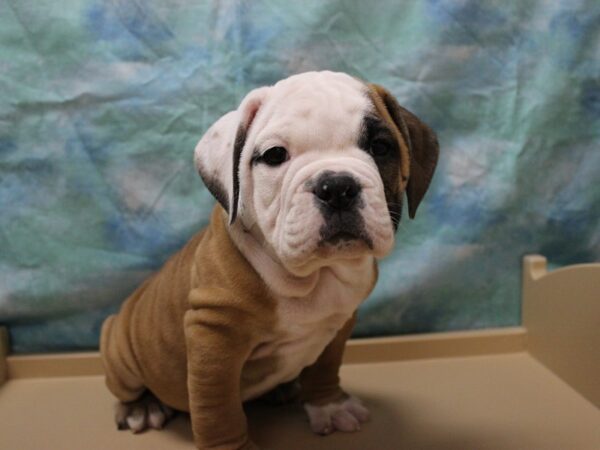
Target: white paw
343	416
146	412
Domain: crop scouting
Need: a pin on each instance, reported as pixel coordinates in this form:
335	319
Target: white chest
304	327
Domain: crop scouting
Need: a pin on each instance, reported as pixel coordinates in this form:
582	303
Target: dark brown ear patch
424	152
377	139
417	144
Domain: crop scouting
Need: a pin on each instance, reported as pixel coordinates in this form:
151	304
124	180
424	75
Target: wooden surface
396	348
3	353
561	312
501	402
436	345
54	365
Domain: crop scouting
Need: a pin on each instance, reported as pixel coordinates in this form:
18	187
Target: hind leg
282	394
145	412
138	408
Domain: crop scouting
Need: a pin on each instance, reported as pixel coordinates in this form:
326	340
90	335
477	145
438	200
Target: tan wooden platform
507	402
530	388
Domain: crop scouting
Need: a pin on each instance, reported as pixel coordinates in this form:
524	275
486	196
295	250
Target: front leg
216	351
328	407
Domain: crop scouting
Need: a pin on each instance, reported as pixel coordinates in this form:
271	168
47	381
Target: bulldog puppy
309	175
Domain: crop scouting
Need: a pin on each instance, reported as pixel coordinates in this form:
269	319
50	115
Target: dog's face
316	167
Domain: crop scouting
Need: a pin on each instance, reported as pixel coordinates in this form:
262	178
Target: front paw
346	415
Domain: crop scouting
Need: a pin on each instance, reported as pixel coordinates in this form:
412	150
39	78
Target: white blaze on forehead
313	111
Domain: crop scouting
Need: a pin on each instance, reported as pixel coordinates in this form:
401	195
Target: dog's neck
280	280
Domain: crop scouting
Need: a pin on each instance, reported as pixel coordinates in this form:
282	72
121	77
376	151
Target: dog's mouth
344	233
343	237
344	244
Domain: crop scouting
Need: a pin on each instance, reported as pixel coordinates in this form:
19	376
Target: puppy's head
316	167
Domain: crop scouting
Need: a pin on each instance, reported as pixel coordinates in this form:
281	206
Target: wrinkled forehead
321	111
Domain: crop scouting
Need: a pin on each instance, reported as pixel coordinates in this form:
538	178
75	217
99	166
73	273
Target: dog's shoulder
222	276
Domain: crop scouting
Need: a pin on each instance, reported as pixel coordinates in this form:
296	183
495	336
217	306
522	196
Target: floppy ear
217	155
422	143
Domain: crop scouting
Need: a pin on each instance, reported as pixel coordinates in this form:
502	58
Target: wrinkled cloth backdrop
102	103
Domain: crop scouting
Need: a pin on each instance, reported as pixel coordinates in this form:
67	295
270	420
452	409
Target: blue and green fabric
101	104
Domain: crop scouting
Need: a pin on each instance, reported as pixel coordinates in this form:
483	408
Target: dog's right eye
275	156
380	147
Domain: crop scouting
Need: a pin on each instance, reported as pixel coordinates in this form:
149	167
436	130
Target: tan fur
183	321
187	334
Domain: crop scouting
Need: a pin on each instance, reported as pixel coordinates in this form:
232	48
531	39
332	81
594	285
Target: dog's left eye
275	156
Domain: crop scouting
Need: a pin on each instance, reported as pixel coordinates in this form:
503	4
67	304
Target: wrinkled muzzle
333	209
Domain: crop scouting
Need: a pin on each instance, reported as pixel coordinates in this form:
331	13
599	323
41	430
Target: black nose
338	191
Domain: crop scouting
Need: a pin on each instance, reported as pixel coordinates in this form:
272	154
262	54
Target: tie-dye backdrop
102	102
